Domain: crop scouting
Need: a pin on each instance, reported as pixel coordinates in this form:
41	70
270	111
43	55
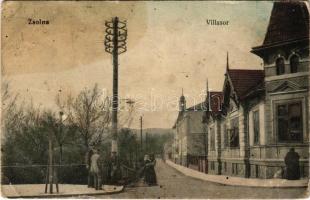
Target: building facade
261	114
266	112
285	52
189	140
211	117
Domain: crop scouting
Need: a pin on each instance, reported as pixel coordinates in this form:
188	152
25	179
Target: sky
170	47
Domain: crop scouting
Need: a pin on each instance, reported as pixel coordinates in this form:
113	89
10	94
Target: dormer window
280	66
294	62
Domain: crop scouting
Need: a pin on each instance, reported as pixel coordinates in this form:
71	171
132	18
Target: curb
64	195
243	182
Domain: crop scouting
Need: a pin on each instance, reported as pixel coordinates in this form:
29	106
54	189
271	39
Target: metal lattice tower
115	44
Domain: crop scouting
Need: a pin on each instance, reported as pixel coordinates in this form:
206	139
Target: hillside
152	131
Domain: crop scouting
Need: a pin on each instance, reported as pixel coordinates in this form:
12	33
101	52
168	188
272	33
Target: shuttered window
234	133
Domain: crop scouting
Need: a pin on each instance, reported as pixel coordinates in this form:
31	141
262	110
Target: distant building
168	150
189	135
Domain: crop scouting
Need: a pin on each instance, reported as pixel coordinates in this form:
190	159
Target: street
173	184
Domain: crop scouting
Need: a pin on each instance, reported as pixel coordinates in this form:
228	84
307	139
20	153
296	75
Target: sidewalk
238	181
65	190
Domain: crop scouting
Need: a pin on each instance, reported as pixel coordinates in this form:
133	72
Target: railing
129	175
66	173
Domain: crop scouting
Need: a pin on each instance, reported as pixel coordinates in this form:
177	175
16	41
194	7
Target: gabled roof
289	22
243	80
255	91
198	107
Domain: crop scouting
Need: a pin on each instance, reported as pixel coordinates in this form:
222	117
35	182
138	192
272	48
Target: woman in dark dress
146	169
153	178
292	165
149	170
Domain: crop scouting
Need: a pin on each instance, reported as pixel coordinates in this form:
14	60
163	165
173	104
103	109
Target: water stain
171	79
74	36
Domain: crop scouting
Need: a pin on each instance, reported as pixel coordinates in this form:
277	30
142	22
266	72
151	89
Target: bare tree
11	113
90	114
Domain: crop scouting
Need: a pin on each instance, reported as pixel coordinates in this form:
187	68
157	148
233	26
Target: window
294	62
225	132
256	171
234	168
280	66
234	133
237	168
256	126
228	137
225	166
289	122
212	165
212	139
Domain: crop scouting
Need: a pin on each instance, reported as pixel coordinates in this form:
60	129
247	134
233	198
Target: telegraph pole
141	121
146	143
115	44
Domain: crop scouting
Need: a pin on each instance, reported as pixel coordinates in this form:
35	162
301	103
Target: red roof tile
244	80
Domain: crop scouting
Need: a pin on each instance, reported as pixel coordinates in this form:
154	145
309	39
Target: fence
30	174
66	173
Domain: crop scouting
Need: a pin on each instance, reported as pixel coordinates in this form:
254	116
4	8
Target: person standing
153	178
95	170
292	165
146	169
149	170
